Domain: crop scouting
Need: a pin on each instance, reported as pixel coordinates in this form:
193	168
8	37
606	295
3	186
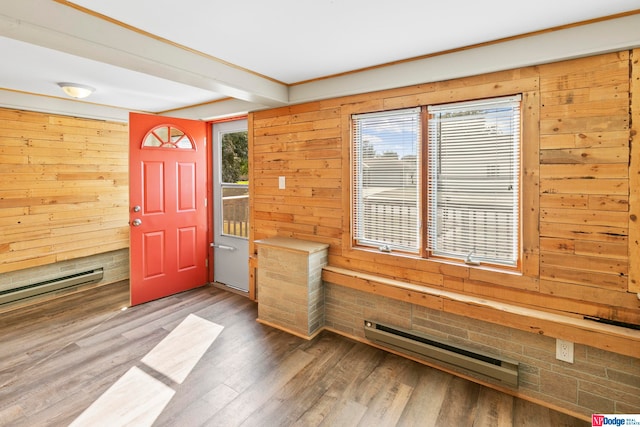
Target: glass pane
235	158
234	165
163	133
151	140
176	134
235	210
184	143
387	156
473	183
179	139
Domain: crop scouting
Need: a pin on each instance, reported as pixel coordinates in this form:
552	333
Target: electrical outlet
564	350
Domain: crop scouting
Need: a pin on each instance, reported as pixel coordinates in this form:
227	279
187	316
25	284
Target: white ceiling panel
297	40
211	58
39	70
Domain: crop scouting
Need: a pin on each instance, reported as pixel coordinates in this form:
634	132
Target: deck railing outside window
235	210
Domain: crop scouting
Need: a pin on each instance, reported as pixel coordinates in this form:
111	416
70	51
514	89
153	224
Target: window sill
513	271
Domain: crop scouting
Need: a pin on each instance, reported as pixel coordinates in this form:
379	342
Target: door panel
168	217
153	248
153	194
186	187
187	243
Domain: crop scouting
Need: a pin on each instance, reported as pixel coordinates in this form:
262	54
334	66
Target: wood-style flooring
57	358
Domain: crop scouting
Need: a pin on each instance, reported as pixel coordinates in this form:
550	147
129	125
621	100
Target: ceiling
211	58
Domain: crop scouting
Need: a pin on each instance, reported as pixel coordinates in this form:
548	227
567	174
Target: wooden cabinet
290	294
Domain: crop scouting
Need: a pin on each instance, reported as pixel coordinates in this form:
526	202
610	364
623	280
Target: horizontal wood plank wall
64	192
584	184
580	242
303	144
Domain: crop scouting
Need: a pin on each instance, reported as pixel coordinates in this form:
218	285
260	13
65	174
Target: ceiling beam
53	25
215	110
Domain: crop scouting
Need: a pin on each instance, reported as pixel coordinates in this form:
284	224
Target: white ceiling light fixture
76	90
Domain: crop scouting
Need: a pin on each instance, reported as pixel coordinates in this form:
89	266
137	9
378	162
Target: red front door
168	215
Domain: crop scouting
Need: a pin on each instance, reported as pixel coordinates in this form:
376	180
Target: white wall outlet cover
281	183
564	350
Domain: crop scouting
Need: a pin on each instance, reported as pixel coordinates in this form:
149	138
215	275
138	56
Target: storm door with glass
231	204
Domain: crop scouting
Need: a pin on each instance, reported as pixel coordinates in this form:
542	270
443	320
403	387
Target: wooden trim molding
634	176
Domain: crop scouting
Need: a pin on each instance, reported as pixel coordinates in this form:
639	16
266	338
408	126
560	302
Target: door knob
136	208
136	222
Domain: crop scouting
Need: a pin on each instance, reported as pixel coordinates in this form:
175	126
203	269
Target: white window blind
386	171
473	180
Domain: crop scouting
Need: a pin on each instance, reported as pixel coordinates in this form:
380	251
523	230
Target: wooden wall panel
634	177
302	144
64	191
584	158
579	194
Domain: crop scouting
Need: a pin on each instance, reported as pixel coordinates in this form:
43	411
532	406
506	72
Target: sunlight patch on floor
137	398
177	354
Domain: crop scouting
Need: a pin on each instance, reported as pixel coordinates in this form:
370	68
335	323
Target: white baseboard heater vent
435	349
49	286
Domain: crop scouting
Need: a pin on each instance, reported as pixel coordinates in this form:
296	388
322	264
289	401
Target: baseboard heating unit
49	286
430	348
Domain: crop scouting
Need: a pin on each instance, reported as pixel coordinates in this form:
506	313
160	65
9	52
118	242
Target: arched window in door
167	136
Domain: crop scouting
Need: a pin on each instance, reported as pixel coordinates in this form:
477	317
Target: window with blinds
472	188
386	171
473	180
